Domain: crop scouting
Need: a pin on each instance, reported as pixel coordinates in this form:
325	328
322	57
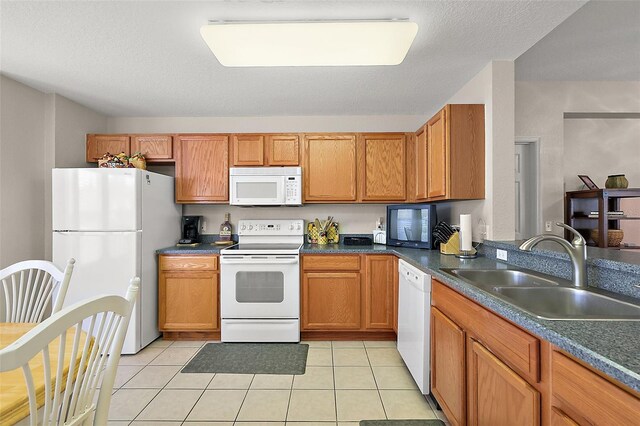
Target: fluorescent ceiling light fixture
309	43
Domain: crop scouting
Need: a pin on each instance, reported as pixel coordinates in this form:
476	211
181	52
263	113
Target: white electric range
260	282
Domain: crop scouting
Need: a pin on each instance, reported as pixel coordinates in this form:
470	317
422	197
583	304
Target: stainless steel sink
503	277
549	297
569	303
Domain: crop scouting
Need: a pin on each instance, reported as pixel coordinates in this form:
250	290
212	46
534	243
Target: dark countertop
612	347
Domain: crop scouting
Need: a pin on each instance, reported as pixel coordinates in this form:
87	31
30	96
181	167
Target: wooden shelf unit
602	200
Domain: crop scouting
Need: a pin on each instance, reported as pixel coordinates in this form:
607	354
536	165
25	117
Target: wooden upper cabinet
449	163
448	378
248	150
283	150
155	148
98	145
497	395
202	168
437	170
382	167
330	169
381	275
421	161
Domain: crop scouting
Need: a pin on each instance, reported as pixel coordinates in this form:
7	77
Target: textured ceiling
600	42
141	58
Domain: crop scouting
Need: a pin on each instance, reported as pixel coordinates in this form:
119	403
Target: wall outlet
501	254
548	226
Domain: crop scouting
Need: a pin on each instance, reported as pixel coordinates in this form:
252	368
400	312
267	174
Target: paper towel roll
466	233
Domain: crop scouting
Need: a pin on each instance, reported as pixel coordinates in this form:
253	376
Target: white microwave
265	186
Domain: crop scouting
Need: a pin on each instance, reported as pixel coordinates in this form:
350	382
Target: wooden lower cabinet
448	377
486	370
188	296
496	394
380	277
331	301
583	396
349	293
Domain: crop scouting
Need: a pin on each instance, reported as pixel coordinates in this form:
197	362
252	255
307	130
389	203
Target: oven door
256	190
259	286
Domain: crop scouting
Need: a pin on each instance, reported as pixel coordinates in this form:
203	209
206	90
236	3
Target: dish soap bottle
225	229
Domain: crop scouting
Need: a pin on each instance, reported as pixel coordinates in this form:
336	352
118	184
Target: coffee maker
190	230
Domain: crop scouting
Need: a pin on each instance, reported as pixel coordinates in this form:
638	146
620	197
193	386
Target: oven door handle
258	261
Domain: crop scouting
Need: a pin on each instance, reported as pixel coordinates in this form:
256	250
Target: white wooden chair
72	401
28	290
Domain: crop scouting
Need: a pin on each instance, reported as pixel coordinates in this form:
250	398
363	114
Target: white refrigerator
112	221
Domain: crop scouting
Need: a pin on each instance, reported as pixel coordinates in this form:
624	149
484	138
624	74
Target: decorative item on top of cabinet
98	145
247	150
202	168
155	148
454	168
329	167
382	166
283	150
188	296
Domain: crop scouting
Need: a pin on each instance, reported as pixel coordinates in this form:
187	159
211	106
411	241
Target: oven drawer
328	262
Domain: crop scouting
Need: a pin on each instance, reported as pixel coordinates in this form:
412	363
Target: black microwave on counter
411	225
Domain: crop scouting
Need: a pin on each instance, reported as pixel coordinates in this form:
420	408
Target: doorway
527	220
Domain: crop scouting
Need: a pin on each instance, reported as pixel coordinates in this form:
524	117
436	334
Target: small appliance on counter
411	225
380	233
358	241
190	230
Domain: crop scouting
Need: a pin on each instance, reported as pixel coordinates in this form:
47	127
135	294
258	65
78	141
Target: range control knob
291	227
250	227
243	227
299	227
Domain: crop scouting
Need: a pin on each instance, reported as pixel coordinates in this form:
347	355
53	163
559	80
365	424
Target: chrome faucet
577	251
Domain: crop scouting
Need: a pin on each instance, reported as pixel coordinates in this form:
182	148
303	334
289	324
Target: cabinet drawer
589	398
514	346
325	262
188	263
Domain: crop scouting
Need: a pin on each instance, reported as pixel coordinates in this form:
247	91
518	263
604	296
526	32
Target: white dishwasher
414	319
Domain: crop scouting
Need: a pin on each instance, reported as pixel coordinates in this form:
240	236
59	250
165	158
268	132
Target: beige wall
38	132
353	219
495	215
22	174
540	108
601	147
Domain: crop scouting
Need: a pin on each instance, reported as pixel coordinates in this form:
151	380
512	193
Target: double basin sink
548	297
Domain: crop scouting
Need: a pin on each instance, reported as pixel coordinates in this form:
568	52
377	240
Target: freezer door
105	262
96	200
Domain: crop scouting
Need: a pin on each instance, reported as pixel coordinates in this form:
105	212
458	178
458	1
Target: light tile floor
345	382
